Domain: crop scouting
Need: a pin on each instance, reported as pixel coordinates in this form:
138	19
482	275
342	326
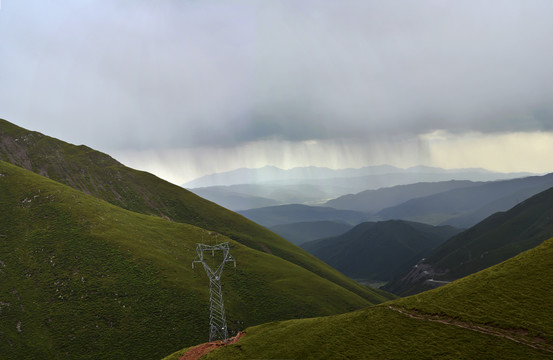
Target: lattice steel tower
217	321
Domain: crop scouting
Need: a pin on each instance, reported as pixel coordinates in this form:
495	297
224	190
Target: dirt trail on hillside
198	351
517	335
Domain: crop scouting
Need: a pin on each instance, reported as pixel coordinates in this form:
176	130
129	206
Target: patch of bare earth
517	335
197	352
266	249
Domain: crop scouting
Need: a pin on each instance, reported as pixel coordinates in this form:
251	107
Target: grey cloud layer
117	74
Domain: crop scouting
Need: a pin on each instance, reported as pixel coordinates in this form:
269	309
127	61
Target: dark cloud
139	75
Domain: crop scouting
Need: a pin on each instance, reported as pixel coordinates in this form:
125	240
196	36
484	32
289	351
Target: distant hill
502	204
374	200
504	312
232	200
299	233
277	194
83	279
464	207
379	251
272	174
100	175
495	239
293	213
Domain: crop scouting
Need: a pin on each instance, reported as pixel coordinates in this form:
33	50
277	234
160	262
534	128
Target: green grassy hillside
497	238
504	312
83	279
515	294
100	175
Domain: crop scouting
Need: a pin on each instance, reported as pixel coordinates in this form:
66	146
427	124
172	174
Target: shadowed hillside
293	213
379	251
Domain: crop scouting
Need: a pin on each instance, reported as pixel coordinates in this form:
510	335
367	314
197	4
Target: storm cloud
127	76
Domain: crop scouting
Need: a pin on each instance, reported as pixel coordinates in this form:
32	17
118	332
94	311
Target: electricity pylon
217	321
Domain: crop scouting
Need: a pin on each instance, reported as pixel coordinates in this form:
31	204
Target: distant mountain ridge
301	232
466	206
373	176
272	174
244	189
375	200
232	200
293	213
236	197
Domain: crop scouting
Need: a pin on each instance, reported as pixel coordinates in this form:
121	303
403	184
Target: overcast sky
186	88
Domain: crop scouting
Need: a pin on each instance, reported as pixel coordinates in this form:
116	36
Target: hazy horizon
266	175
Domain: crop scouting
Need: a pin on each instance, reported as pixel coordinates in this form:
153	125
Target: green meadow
84	279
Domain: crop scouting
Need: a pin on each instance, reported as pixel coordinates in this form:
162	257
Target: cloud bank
355	75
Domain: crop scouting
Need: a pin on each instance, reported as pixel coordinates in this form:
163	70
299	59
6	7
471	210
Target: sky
188	88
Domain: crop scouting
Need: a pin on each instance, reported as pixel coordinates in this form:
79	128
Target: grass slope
83	279
379	251
513	297
100	175
515	294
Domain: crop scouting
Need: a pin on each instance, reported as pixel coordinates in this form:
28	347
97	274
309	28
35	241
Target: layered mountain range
244	189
